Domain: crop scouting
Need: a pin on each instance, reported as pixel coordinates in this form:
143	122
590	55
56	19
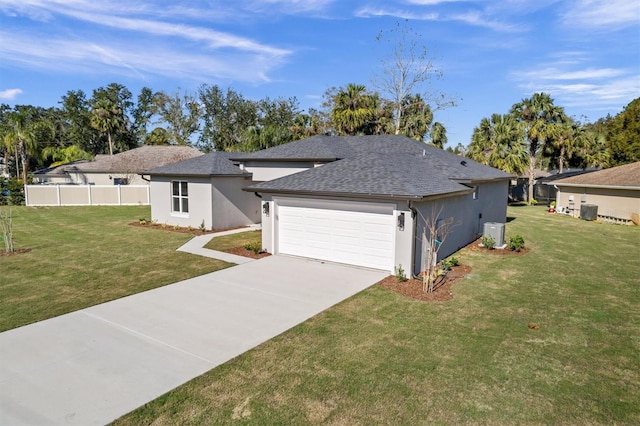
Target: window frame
181	197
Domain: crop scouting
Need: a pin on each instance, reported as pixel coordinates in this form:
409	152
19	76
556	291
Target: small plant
401	276
142	221
516	243
176	227
163	225
533	202
202	227
488	242
552	205
190	228
450	263
154	221
253	246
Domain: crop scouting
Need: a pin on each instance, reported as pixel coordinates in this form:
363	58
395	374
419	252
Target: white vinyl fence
86	195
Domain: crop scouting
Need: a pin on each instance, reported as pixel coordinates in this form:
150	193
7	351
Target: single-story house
123	168
615	192
360	200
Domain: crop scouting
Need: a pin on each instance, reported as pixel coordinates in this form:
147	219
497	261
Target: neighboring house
119	169
358	200
616	192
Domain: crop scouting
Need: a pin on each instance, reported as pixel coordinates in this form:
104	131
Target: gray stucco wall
218	201
469	216
231	205
269	170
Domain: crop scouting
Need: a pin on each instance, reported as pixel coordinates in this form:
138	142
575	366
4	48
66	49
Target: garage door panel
362	234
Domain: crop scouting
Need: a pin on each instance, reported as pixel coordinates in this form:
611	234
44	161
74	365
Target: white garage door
359	234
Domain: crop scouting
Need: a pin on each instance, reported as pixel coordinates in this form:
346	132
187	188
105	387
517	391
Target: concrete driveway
94	365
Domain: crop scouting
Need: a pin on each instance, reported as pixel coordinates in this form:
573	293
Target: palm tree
438	135
535	114
417	118
20	140
354	109
499	142
106	118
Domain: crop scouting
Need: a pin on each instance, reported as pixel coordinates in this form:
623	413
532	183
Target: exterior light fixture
265	208
401	221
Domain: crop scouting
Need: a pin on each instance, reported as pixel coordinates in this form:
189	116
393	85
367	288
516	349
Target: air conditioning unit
495	230
588	212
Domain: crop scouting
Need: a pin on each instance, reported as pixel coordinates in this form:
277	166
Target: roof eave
403	197
589	185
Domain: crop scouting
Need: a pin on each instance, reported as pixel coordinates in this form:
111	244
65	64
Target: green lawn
230	241
82	256
379	358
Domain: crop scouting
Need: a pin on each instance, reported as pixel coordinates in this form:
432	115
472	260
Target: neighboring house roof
212	164
132	162
626	176
374	166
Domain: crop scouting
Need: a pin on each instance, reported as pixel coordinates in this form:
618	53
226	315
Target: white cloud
139	60
603	14
9	94
573	83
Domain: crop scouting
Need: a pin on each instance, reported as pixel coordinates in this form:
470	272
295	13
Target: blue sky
585	53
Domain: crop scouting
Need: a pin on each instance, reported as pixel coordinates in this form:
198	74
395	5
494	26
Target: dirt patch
180	229
241	251
413	288
475	246
16	251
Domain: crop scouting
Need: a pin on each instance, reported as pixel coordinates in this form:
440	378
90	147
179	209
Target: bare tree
435	231
6	226
408	69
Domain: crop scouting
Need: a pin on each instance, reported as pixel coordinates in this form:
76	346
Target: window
179	196
120	181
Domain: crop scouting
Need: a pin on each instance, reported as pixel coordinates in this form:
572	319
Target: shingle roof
372	175
133	161
627	175
212	164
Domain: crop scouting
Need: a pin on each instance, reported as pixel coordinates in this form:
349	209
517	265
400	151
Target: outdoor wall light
265	209
401	221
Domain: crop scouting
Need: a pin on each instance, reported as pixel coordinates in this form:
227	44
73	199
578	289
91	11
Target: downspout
257	195
414	216
144	178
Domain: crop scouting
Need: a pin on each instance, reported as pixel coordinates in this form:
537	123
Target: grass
230	241
82	256
380	358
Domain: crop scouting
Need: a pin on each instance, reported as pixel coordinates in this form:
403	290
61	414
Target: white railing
86	195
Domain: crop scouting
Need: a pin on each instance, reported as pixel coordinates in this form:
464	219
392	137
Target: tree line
113	120
537	134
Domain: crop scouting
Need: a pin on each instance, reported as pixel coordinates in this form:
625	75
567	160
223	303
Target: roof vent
464	163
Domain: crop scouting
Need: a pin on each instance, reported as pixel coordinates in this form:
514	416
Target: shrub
488	242
142	221
202	226
450	263
254	246
516	243
401	276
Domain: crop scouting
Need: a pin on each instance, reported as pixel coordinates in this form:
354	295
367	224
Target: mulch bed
16	251
413	288
180	229
475	246
241	251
